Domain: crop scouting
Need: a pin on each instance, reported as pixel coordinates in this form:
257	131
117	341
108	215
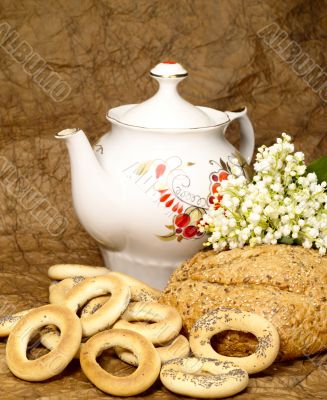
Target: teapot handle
247	133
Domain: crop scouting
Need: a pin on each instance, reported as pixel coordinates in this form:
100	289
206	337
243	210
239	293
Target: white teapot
142	190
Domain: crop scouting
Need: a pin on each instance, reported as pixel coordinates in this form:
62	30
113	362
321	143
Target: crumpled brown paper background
104	50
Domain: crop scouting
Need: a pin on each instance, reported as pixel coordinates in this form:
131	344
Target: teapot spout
94	192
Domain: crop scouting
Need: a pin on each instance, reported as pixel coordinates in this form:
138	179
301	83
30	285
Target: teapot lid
167	109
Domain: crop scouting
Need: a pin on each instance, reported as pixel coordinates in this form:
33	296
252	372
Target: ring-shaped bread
63	271
9	321
178	348
94	305
58	291
203	377
140	380
56	360
50	337
166	321
222	319
140	291
110	311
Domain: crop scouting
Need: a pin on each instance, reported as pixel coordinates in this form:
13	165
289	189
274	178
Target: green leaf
320	168
286	240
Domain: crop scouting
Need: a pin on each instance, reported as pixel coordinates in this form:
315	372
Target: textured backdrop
103	50
65	63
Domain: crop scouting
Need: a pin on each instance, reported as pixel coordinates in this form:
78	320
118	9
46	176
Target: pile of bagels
93	309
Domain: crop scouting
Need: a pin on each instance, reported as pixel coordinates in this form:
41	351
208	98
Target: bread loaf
285	284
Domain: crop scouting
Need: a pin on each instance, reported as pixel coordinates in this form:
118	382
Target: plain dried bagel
204	378
56	360
140	291
58	291
178	348
50	335
140	380
110	311
50	338
9	321
223	319
166	325
63	271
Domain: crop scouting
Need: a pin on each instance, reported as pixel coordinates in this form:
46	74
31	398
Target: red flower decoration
215	179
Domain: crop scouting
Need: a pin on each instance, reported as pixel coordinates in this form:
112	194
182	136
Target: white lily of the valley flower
280	204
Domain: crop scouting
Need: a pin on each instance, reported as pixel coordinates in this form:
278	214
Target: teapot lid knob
166	109
168	69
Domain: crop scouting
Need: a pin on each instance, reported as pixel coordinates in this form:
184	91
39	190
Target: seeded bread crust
285	284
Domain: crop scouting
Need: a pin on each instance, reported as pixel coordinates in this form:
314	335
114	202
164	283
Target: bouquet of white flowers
281	204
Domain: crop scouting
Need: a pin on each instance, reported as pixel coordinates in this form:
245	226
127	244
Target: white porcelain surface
167	109
139	184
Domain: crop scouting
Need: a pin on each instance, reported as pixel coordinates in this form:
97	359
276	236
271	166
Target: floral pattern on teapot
186	209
